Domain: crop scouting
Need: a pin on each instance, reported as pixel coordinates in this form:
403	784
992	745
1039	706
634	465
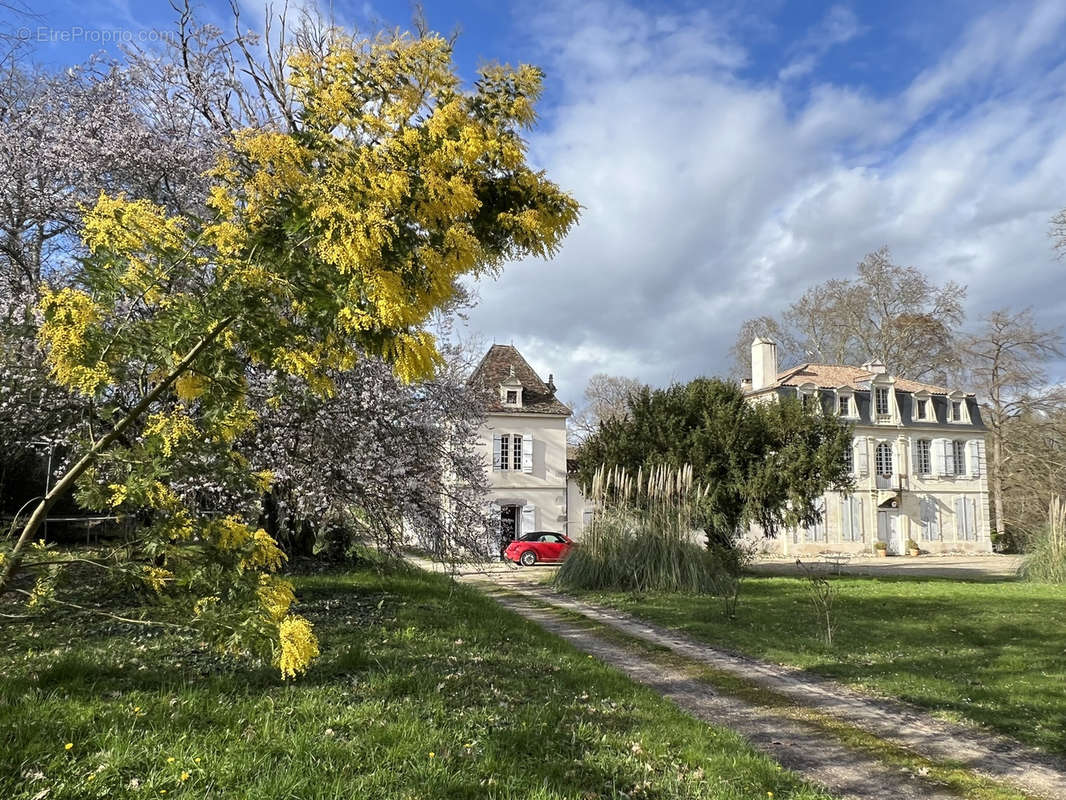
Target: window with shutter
976	454
505	452
922	457
517	448
929	515
884	459
966	518
527	453
862	463
958	458
849	458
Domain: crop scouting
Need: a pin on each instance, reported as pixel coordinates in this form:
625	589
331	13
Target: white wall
544	487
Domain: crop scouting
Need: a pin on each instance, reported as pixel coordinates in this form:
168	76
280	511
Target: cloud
709	200
838	26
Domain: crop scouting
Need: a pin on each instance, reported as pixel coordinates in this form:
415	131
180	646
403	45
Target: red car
539	546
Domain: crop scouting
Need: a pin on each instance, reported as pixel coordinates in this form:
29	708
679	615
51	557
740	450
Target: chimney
876	367
763	363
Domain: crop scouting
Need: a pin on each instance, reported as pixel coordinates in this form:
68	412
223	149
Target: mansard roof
495	368
835	376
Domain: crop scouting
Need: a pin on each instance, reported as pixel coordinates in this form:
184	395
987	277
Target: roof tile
495	368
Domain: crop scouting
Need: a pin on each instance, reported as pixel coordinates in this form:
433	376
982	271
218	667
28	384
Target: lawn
425	690
994	653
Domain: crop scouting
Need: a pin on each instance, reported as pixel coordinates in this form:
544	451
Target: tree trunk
66	483
997	478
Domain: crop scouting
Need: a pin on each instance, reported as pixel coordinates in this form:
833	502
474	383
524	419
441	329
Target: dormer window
844	404
808	393
957	410
511	391
923	409
882	407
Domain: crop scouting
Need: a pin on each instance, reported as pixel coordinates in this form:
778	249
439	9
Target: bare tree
606	397
1006	361
1034	452
1058	233
887	312
788	349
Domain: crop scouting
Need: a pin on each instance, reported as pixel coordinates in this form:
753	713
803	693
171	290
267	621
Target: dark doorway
508	525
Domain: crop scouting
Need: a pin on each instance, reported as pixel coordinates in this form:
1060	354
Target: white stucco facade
917	461
523	444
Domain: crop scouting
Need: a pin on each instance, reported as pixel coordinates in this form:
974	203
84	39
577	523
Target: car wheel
528	559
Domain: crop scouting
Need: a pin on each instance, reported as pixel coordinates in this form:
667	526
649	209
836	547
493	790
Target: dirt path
796	745
801	748
986	754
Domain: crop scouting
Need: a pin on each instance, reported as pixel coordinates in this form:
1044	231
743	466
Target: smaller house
523	440
917	459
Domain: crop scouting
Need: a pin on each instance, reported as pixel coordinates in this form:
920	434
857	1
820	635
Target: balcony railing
885	481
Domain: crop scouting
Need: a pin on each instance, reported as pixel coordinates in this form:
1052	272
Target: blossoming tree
332	239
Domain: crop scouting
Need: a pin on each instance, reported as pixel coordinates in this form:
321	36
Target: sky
728	155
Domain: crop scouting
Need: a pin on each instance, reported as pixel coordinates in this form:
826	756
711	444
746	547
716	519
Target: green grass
412	666
993	653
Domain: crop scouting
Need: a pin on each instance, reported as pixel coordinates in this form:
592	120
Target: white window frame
849	458
516	452
505	449
846	404
923	402
958	457
957	400
923	457
879	392
884	447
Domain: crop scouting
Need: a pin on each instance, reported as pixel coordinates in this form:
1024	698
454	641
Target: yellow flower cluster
171	429
190	386
131	226
69	315
43	591
265	552
230	533
298	646
275	596
156	577
236	421
262	552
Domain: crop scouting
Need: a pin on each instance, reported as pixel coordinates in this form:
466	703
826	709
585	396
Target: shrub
643	538
1046	562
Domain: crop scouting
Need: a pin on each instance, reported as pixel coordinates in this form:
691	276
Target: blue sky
730	154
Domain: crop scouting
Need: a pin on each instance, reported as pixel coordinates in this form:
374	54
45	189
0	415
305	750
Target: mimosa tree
335	238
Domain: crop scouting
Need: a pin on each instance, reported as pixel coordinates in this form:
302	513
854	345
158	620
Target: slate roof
494	369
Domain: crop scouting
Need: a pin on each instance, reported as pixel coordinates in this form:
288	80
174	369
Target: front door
888	532
508	525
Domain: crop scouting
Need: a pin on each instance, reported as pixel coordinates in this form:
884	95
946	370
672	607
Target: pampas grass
1046	562
643	536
